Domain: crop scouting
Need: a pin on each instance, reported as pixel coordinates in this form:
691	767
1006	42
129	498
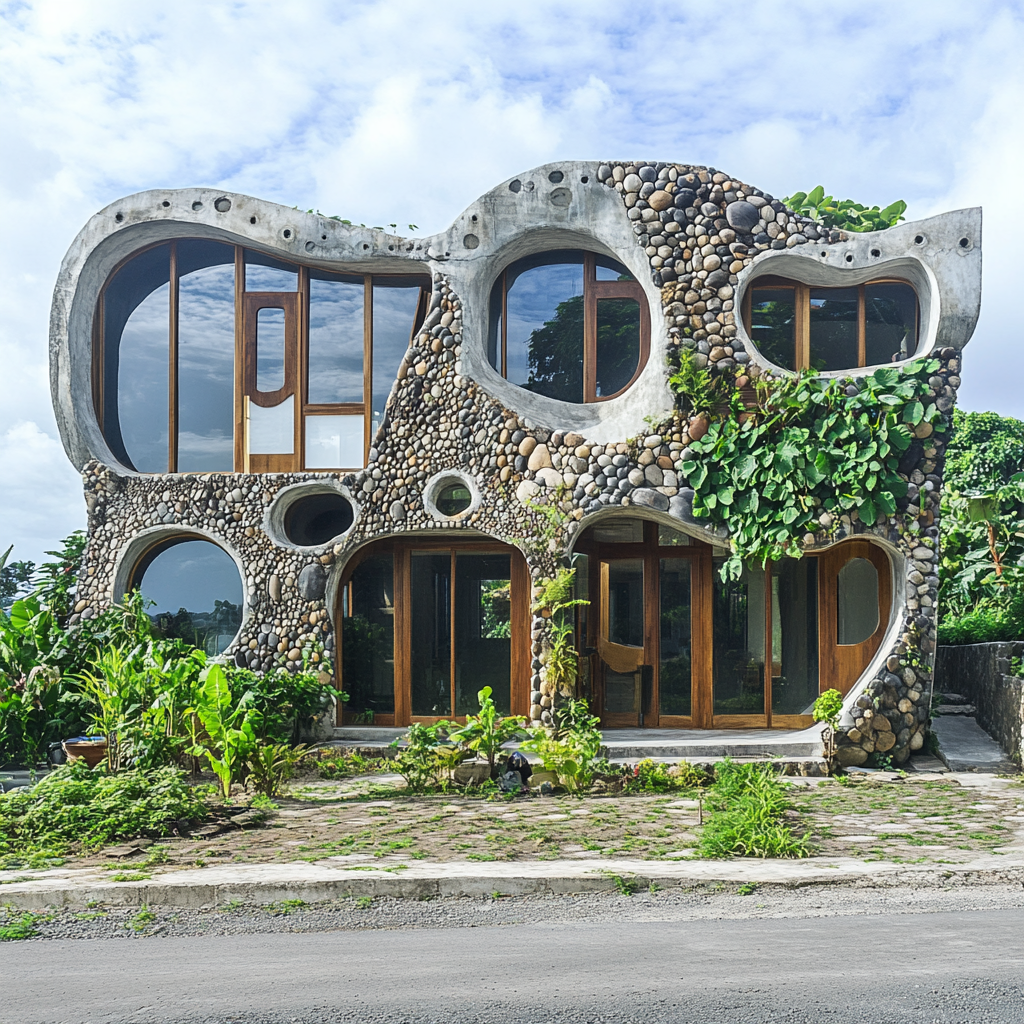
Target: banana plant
485	733
230	734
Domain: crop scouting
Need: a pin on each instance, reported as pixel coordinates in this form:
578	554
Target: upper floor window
799	326
212	358
569	325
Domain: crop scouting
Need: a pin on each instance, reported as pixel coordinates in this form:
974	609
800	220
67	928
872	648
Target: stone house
304	439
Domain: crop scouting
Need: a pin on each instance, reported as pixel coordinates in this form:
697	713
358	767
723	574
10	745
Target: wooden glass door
270	333
855	599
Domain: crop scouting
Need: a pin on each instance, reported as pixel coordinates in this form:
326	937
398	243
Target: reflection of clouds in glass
142	383
334	442
206	356
270	347
192	575
394	311
335	341
269	279
533	300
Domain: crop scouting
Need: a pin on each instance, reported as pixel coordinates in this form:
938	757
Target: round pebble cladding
699	228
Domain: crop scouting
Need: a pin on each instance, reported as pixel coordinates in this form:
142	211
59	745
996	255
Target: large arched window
193	590
797	326
569	325
298	380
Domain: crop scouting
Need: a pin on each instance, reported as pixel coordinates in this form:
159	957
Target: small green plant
699	390
270	765
572	754
486	732
131	876
22	927
364	902
747	889
844	214
625	886
649	776
142	920
231	736
828	707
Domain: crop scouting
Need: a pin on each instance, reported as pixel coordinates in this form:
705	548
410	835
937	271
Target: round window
317	518
194	593
453	498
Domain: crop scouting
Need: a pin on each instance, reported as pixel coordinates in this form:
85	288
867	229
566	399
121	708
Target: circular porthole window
194	592
453	498
317	519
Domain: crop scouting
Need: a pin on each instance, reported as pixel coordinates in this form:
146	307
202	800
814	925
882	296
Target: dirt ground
915	818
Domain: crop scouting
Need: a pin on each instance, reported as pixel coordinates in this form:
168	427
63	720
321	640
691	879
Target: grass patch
748	804
22	927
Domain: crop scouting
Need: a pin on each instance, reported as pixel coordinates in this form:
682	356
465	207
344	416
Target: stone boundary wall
981	674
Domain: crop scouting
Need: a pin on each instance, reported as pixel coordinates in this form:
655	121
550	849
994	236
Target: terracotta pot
92	752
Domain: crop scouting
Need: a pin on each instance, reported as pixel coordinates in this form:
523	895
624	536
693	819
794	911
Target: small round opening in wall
453	498
222	205
317	519
965	243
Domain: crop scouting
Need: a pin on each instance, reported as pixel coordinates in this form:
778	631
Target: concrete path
614	965
967	747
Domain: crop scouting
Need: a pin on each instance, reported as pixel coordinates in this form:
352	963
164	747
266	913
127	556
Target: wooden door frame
402	550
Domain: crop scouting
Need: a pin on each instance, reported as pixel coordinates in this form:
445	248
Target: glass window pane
858	601
269	349
335	340
136	324
196	593
794	636
272	431
483	631
430	630
334	442
890	311
738	650
674	678
394	314
453	499
618	344
265	274
368	640
622	531
833	328
772	325
667	537
545	325
608	270
626	602
206	356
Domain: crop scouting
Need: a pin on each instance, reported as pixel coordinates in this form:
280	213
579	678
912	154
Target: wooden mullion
403	634
862	329
589	328
172	364
652	623
367	364
451	629
241	454
302	383
803	326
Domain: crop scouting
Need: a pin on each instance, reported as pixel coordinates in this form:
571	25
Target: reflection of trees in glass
211	631
556	349
556	354
365	646
772	328
618	343
674	678
495	610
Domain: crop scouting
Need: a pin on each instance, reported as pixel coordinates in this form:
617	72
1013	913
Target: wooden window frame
593	291
296	361
802	315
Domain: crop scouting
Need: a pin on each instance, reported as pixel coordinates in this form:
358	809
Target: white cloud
399	111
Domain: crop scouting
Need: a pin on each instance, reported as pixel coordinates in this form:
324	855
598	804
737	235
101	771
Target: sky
396	111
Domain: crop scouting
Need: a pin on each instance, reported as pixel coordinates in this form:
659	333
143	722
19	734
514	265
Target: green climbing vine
771	473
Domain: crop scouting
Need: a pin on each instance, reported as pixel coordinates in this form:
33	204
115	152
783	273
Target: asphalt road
947	966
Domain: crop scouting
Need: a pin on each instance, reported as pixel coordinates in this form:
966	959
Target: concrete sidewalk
348	876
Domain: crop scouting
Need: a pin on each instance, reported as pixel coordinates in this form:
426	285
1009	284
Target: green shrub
981	626
748	805
76	804
574	753
649	776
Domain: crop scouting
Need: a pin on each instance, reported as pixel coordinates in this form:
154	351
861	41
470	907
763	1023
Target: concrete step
967	710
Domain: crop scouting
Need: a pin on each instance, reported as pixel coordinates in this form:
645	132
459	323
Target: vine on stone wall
812	450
